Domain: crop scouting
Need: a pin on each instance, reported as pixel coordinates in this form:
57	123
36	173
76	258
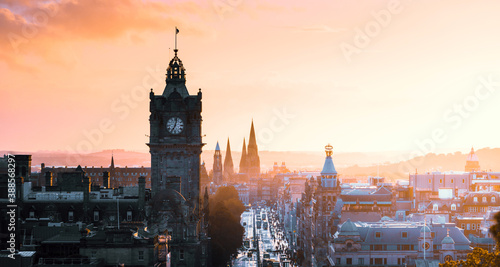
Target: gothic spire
228	162
253	153
243	161
112	166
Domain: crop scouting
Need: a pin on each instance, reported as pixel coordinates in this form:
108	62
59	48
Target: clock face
426	246
175	125
448	258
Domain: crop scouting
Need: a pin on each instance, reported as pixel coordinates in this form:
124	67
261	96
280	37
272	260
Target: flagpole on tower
176	32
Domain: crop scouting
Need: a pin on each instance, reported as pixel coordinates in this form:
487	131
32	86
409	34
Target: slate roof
391	233
328	167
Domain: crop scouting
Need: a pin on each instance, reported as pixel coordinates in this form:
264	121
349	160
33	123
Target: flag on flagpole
176	30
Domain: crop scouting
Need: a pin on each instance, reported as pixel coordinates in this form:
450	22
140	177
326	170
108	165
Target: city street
271	242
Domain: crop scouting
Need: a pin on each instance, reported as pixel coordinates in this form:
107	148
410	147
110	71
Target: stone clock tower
175	136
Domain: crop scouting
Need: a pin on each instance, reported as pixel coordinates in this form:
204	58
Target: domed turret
448	243
176	77
328	167
328	174
448	240
472	163
425	229
348	228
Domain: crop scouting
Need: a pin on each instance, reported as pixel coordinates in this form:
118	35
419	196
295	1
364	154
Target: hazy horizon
372	76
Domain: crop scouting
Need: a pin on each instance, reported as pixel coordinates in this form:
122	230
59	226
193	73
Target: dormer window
492	199
70	215
484	199
378	234
475	199
435	207
453	207
32	214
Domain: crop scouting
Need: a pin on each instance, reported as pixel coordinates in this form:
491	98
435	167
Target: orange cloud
39	29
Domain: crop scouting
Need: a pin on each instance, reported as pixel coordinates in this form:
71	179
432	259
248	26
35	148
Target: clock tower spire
175	146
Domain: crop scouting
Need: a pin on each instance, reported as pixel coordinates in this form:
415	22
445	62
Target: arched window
453	207
435	207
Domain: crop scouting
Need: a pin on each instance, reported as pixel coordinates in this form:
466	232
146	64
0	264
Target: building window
379	261
361	261
93	254
475	199
463	181
492	199
463	226
453	207
484	199
451	180
129	215
440	181
140	257
435	207
181	254
338	261
468	226
32	214
429	181
348	261
404	234
378	234
96	215
473	226
70	215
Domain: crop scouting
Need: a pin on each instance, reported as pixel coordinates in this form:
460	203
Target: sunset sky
364	76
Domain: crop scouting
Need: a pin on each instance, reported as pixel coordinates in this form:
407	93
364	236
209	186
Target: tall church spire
228	163
112	166
253	153
217	168
243	161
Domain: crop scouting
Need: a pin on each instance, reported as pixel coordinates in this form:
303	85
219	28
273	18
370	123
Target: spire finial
176	32
448	232
329	150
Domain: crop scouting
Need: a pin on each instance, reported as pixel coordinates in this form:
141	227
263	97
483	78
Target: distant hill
489	159
347	164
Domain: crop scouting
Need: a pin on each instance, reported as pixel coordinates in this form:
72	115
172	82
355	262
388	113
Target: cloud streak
40	29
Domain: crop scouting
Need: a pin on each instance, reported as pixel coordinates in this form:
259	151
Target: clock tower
175	136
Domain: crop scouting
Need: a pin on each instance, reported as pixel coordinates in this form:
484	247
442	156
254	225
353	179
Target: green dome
427	229
448	240
348	228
